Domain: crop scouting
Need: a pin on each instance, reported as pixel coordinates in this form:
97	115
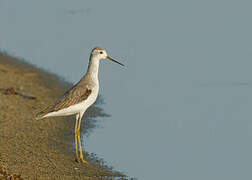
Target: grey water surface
181	108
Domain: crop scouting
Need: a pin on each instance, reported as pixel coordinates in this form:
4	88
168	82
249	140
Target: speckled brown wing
74	96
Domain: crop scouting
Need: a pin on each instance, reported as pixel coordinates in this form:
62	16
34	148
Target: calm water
181	109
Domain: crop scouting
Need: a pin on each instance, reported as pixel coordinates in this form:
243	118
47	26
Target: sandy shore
38	149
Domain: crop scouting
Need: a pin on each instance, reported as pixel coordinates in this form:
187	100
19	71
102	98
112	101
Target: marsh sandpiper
78	98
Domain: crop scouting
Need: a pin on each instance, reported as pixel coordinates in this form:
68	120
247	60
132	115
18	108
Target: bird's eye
101	52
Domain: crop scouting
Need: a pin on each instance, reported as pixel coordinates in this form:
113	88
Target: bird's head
100	53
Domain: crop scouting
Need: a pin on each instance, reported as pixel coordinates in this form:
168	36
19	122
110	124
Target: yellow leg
80	148
76	136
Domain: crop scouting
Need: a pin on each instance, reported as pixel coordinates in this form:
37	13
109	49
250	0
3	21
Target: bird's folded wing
74	96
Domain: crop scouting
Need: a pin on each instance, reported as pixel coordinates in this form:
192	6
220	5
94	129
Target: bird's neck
93	67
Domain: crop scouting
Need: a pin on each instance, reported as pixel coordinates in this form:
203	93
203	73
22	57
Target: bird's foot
83	161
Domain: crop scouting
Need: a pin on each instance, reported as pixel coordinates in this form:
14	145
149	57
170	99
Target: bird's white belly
77	108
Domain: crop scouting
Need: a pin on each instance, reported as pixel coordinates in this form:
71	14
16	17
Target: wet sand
39	149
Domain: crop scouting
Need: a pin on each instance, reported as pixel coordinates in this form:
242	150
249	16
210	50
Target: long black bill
109	58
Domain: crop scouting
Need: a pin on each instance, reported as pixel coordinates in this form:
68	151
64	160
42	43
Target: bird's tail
40	115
